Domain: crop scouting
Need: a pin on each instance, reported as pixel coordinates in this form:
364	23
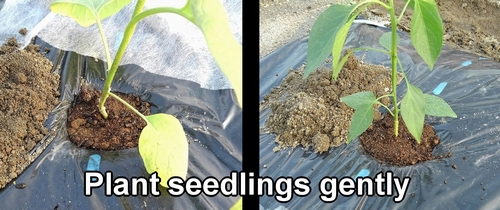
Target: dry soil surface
28	92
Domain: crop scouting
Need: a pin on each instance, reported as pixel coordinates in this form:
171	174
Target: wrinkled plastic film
473	92
165	44
210	118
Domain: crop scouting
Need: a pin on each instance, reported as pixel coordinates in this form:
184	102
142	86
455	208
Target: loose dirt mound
309	112
28	92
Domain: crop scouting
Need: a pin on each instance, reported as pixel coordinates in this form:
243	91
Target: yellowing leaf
164	148
86	12
210	17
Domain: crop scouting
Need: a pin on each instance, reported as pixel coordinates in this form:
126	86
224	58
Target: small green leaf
436	106
362	103
86	12
359	100
386	40
427	30
413	112
164	148
324	33
211	18
238	205
361	120
338	44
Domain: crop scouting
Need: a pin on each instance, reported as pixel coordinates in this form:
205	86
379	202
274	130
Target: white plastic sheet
165	44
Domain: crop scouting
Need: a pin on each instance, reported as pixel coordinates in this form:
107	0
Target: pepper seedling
328	35
162	144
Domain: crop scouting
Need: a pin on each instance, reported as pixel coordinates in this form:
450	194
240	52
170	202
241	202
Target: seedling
162	143
330	29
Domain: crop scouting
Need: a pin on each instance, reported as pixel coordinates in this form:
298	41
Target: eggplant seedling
162	144
328	35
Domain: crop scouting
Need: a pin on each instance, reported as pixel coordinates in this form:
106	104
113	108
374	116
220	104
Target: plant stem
128	105
394	59
381	104
127	36
105	42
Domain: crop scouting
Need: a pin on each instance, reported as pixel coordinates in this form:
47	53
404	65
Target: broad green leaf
238	205
427	30
359	100
361	120
362	103
323	34
341	36
164	148
86	12
211	18
413	111
328	34
436	106
386	40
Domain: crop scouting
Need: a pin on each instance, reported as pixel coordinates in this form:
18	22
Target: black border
250	162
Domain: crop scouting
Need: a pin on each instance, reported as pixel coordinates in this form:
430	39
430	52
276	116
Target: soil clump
28	92
309	112
87	128
379	141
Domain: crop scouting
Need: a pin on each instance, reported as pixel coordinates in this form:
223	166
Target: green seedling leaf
427	30
342	35
413	111
238	205
361	120
386	40
211	18
87	12
163	147
324	33
436	106
338	44
362	103
359	100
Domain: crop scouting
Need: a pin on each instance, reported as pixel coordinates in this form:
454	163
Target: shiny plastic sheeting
211	120
472	89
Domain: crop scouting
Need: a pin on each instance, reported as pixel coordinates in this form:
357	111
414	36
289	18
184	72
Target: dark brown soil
379	141
469	25
28	92
87	128
309	112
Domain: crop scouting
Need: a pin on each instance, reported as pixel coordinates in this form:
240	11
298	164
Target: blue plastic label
439	88
466	63
94	163
362	173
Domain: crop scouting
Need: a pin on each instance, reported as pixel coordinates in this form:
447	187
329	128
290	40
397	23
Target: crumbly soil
28	92
469	25
309	112
87	128
379	141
